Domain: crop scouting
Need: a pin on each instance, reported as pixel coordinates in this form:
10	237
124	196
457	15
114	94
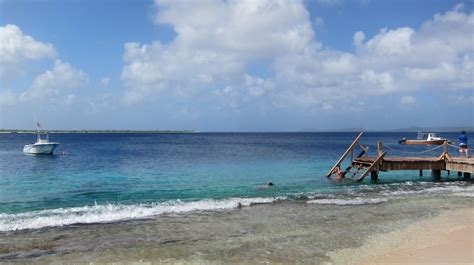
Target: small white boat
42	146
424	139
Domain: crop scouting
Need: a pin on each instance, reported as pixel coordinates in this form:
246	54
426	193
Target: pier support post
467	176
421	172
374	176
459	173
379	147
436	174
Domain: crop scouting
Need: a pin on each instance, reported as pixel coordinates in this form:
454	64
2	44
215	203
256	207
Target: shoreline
278	233
99	131
444	239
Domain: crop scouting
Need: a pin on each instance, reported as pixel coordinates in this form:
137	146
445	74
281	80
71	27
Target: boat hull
424	142
44	149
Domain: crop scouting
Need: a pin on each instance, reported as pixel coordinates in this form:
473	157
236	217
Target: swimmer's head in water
270	183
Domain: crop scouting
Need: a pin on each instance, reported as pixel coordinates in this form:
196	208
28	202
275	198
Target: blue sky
236	65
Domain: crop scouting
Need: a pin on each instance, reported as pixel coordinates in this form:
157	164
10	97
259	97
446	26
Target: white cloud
69	99
52	82
215	42
105	81
391	42
7	98
257	86
318	23
408	101
463	100
358	39
383	81
438	56
17	48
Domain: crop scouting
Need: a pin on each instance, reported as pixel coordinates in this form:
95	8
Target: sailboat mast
37	128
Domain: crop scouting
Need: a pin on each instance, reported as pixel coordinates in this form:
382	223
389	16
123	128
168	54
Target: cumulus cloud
437	56
62	77
217	41
16	48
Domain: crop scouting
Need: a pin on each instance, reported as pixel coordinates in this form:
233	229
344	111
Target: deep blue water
149	169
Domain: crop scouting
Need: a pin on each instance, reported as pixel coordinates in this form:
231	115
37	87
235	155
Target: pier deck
461	164
364	165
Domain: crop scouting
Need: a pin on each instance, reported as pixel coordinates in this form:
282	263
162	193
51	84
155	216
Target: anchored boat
42	146
424	139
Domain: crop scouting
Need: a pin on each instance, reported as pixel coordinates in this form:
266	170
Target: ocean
164	183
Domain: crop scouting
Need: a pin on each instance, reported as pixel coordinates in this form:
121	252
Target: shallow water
283	232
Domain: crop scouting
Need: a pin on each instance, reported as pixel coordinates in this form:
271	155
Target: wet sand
279	233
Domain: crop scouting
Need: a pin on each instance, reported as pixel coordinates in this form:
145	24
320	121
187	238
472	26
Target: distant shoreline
97	131
12	131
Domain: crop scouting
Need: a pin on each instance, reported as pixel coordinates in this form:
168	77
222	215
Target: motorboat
42	146
424	139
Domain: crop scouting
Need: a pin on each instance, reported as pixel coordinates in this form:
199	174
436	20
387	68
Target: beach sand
435	229
445	239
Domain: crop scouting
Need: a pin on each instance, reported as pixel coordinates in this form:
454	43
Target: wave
431	190
352	195
117	212
353	201
374	194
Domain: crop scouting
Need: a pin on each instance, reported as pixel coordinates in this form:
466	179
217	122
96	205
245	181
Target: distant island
407	129
97	131
435	129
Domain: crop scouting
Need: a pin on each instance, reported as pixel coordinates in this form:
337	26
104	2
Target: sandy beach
445	239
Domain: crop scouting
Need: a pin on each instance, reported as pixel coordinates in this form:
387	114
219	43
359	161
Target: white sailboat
42	146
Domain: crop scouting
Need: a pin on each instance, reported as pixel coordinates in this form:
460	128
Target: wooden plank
460	166
376	163
344	155
364	150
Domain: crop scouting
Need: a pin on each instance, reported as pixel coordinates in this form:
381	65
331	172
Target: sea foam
432	190
352	201
117	212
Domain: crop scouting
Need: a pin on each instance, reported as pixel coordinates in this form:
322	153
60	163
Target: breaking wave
117	212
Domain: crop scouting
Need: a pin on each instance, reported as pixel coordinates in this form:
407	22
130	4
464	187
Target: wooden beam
344	155
379	147
376	163
445	155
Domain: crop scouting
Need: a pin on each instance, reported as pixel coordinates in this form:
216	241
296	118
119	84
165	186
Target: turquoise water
113	177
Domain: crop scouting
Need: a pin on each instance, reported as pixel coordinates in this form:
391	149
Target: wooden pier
361	166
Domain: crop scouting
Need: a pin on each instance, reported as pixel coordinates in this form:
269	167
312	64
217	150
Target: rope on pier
419	152
455	146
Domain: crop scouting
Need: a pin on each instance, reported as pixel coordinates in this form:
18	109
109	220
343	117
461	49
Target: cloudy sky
243	65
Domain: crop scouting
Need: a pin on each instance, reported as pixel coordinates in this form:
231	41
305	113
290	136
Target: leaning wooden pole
351	147
372	167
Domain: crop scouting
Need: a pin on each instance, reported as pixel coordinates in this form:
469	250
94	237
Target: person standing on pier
463	144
